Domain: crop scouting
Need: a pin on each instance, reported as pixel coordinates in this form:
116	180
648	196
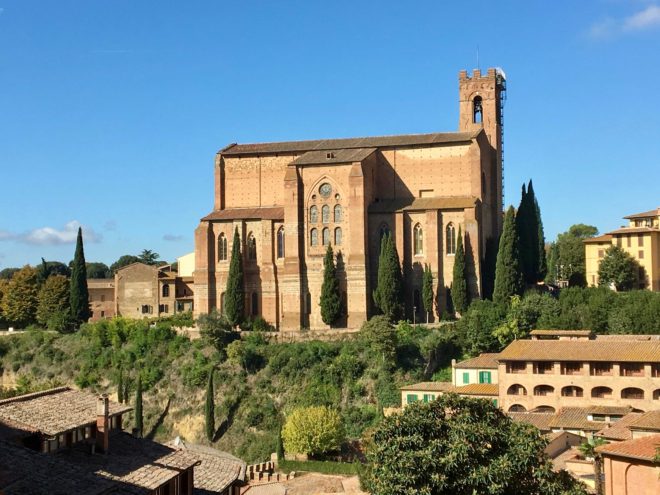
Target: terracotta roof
581	350
574	418
600	238
267	213
609	410
346	143
645	214
648	421
619	430
487	360
430	387
628	338
540	420
55	411
325	157
216	470
644	448
562	333
478	389
412	204
634	230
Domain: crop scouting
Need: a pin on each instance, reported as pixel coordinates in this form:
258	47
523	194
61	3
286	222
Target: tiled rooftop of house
648	421
574	418
619	430
540	420
608	410
644	448
430	387
216	470
54	411
561	333
478	389
485	360
582	350
645	214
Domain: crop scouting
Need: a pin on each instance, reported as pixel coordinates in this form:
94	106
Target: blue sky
111	111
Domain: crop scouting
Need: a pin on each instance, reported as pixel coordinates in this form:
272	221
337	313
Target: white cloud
51	236
646	19
172	237
6	236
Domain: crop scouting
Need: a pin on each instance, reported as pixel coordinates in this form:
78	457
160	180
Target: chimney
102	423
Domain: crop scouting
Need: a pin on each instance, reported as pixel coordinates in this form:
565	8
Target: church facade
288	200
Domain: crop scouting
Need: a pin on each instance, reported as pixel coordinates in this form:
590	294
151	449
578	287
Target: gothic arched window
313	214
477	109
450	239
338	235
418	240
326	236
313	237
251	247
338	214
280	242
222	247
166	290
325	214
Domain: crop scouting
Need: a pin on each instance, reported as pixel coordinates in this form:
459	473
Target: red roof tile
645	448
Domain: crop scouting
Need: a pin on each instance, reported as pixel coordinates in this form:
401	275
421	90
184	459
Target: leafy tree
459	289
617	268
525	314
389	289
139	420
53	298
460	446
209	409
475	330
8	273
330	301
589	450
427	291
20	299
248	352
98	270
79	295
313	430
380	336
215	328
567	252
125	260
149	257
508	276
234	294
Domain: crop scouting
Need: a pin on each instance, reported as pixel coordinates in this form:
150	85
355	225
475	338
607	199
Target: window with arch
632	393
477	110
255	304
572	391
280	242
601	392
222	247
418	240
251	247
544	409
326	236
543	390
450	239
166	290
338	236
338	214
313	214
656	394
516	389
313	237
517	408
325	214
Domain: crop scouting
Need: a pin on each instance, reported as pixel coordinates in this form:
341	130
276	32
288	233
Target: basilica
289	200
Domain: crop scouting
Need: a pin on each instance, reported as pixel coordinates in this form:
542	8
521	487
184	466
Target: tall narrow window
450	239
477	116
280	242
338	214
313	237
325	214
166	290
326	236
251	247
222	247
338	236
313	214
418	240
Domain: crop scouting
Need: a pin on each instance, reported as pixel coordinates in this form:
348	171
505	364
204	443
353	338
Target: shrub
313	430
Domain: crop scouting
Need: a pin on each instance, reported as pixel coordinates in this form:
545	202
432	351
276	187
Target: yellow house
640	239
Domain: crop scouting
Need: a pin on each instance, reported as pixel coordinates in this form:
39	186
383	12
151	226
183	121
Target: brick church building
290	199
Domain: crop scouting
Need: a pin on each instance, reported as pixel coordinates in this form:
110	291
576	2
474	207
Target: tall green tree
98	270
79	295
330	300
488	272
508	275
388	295
460	446
567	253
427	291
234	294
139	419
53	299
149	257
125	260
209	409
618	268
20	298
540	256
459	288
523	228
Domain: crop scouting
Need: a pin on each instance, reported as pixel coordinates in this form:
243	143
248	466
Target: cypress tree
279	449
508	276
459	291
79	295
330	298
389	290
209	410
120	386
427	290
138	407
234	295
539	238
526	248
488	272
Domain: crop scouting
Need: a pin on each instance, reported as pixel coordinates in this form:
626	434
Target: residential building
482	369
631	467
428	391
640	238
101	298
289	200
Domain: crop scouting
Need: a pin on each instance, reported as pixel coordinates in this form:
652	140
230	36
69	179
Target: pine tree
120	386
234	295
209	410
79	295
427	290
389	290
508	276
138	407
330	301
459	290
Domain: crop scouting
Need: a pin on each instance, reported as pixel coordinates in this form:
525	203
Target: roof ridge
34	395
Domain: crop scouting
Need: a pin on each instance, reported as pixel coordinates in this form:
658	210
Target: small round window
325	189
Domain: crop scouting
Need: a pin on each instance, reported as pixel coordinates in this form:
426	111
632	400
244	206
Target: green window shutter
426	397
412	398
466	378
495	402
484	377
